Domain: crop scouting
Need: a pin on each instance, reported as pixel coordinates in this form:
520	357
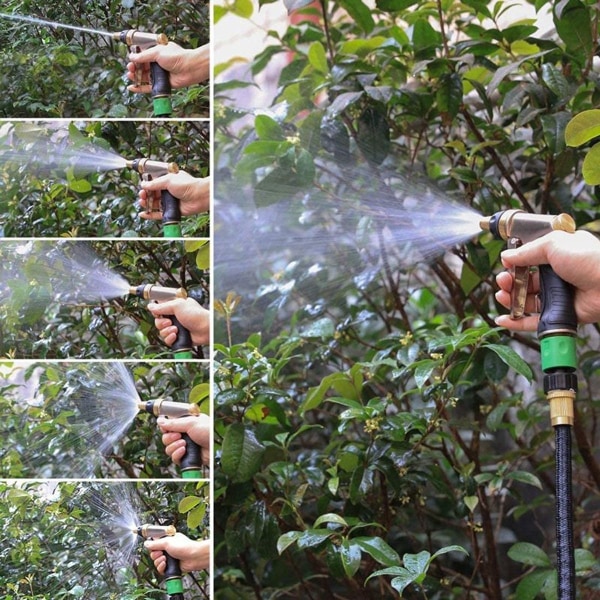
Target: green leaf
583	127
241	8
417	563
188	503
203	258
360	12
450	94
591	165
268	129
323	329
575	28
241	453
512	359
585	561
330	518
378	549
313	537
525	477
317	57
531	585
471	502
350	555
394	5
286	540
80	185
528	554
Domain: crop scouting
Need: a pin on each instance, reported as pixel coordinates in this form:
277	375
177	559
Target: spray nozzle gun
173	583
161	85
557	326
191	461
171	212
183	343
517	228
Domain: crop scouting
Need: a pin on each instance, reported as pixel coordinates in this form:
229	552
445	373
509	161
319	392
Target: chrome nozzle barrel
149	531
133	37
525	226
145	166
168	408
159	293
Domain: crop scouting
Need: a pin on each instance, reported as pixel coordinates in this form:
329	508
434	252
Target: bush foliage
66	531
55	72
53	187
58	418
372	422
44	317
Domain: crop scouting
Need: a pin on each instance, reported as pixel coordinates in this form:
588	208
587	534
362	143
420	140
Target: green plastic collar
174	586
172	230
191	474
162	107
183	354
558	351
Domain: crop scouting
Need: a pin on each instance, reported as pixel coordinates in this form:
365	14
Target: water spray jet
172	576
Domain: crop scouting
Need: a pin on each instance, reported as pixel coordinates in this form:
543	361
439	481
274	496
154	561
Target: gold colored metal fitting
562	407
564	222
156	531
162	39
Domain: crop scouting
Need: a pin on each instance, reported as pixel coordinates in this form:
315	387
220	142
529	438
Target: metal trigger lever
520	275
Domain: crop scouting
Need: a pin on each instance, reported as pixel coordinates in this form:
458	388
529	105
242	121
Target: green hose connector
172	230
191	474
162	107
183	355
174	586
558	351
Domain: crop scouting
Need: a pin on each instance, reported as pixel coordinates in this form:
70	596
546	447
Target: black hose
565	554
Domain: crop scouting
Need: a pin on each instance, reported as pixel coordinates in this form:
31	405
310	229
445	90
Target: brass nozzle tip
564	222
173	167
484	223
162	39
133	290
141	405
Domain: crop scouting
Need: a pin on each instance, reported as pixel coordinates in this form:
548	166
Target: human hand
196	426
185	66
193	555
193	193
575	257
189	313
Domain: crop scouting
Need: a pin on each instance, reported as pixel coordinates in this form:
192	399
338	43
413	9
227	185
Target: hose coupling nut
562	407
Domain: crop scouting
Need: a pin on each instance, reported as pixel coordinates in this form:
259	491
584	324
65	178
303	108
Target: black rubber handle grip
173	569
161	84
183	341
192	459
558	307
171	211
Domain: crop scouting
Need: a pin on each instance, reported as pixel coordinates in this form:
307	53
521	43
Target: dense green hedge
55	72
370	415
